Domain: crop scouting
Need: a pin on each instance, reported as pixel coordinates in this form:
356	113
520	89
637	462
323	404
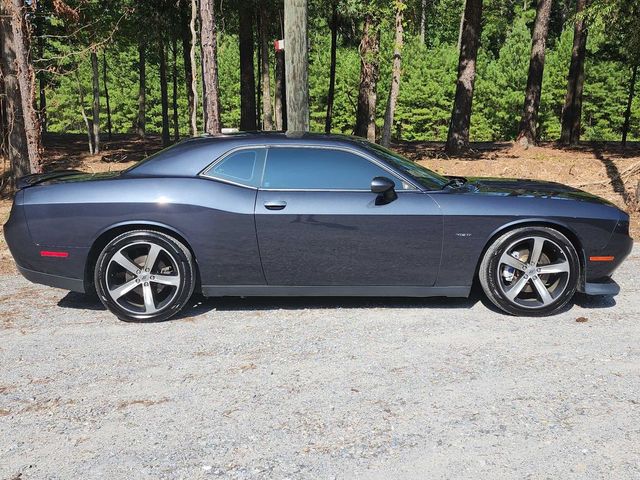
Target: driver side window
321	169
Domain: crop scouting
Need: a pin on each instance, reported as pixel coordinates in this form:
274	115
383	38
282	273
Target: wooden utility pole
296	65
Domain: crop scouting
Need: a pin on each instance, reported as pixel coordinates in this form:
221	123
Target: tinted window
321	169
243	166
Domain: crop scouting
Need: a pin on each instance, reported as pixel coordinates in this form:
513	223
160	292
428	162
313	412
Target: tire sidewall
491	273
184	264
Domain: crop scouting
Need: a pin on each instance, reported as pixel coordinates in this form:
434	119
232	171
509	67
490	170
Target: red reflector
45	253
602	259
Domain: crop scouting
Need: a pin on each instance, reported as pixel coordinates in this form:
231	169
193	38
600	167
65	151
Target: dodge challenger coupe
255	214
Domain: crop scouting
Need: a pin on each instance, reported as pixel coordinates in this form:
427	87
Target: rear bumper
606	287
65	283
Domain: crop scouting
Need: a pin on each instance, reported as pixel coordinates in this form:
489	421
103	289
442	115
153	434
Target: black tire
517	286
137	292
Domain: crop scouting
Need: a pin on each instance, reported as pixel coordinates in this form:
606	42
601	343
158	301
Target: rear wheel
145	276
531	271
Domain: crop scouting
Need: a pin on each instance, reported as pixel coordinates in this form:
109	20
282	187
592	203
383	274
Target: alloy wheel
533	272
143	278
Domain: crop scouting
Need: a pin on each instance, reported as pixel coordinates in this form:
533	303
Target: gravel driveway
319	388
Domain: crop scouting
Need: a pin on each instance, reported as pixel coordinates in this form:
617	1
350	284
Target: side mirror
385	187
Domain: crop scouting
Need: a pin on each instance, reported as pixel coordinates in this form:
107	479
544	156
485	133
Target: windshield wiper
454	182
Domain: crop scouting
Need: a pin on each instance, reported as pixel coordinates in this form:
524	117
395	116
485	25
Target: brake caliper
508	271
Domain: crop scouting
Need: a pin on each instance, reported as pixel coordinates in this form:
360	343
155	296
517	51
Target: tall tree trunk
627	112
458	136
396	72
22	130
164	94
174	81
280	96
83	111
106	91
258	73
42	81
211	97
95	106
141	124
369	48
529	123
423	21
572	111
332	67
4	130
247	75
460	29
297	65
267	114
186	49
193	109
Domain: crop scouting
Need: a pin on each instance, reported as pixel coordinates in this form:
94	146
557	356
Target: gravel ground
319	388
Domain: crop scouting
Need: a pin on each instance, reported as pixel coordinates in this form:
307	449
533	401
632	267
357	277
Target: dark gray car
271	214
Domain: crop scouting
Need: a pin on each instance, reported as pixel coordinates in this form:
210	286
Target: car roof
258	137
190	156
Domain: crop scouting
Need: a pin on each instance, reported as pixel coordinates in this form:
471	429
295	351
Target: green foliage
428	72
500	85
426	92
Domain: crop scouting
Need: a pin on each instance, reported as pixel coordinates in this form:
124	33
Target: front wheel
531	271
145	276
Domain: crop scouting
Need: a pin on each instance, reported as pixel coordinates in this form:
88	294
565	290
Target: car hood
519	187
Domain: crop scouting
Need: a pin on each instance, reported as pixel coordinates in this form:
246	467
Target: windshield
422	175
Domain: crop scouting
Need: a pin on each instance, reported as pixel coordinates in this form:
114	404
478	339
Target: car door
318	223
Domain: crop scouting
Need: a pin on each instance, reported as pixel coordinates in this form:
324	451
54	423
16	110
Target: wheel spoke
152	256
536	251
149	303
512	262
559	267
517	287
173	280
540	287
123	289
124	262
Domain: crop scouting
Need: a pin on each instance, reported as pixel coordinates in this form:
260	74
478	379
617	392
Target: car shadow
199	305
593	301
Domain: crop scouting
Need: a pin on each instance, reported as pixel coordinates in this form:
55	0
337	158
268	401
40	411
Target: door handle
279	205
